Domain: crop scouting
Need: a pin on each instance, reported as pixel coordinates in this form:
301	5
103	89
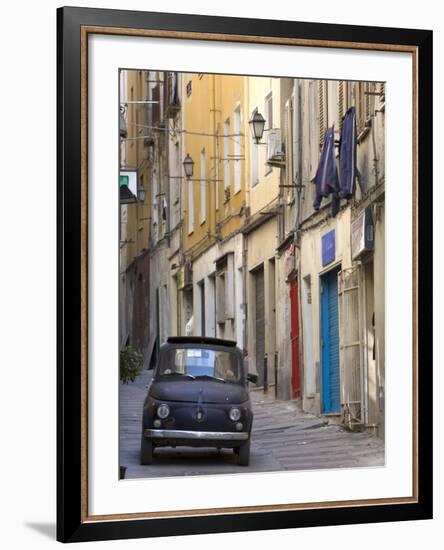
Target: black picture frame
71	523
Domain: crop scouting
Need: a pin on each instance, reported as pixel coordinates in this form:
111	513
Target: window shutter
288	144
382	91
313	127
323	110
341	102
367	98
358	92
229	288
351	349
220	298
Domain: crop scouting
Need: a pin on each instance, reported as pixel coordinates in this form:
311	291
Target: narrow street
284	438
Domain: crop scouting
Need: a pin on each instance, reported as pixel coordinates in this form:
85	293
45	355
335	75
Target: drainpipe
212	188
375	156
244	292
245	241
166	164
296	235
182	182
298	155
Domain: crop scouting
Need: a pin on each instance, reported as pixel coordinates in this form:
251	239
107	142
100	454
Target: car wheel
244	454
146	451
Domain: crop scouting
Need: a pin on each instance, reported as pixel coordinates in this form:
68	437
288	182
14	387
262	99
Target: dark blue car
198	398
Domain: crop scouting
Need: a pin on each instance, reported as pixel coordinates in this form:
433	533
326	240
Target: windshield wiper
212	377
190	376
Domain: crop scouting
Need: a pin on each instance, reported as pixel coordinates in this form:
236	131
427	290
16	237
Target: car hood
198	391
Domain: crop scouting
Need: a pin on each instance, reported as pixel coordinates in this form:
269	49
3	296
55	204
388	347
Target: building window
225	289
364	103
268	124
203	187
217	170
190	206
227	181
237	150
289	147
254	161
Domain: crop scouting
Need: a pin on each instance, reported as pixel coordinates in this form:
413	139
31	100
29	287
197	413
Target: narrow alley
283	438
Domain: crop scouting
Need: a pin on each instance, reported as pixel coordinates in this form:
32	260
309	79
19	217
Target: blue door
330	343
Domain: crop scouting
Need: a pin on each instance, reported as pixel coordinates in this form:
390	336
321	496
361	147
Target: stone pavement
283	438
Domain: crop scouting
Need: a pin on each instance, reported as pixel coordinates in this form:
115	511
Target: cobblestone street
283	438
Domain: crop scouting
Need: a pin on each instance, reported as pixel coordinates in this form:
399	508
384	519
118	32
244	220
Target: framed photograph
244	274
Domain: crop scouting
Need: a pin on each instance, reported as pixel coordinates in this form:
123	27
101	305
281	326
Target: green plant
131	364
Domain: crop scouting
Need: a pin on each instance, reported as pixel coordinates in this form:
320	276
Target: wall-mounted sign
328	247
128	186
362	233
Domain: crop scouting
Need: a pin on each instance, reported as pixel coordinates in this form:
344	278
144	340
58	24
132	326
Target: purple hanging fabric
326	179
347	155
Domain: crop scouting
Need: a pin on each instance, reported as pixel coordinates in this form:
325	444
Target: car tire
244	454
146	451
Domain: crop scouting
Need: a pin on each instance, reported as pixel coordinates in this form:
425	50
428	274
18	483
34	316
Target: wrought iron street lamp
188	166
141	192
257	125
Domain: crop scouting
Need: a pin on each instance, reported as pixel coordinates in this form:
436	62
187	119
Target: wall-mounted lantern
141	192
188	166
257	125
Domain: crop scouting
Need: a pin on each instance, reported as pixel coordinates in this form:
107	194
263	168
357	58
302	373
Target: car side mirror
252	377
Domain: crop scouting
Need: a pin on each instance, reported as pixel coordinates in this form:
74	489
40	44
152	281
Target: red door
294	337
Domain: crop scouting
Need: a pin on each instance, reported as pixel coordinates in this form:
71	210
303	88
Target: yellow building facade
134	157
214	198
134	230
214	203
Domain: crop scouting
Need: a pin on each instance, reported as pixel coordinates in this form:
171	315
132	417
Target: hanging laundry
326	179
335	204
347	155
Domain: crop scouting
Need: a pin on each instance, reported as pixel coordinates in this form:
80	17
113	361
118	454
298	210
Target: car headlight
234	414
163	411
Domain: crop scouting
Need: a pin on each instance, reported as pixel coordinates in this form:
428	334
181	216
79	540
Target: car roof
201	340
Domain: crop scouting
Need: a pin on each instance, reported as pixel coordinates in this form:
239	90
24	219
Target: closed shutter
351	350
260	324
382	91
358	93
341	102
368	100
220	297
323	110
289	148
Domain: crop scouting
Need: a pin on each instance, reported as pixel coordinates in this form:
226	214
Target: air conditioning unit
275	155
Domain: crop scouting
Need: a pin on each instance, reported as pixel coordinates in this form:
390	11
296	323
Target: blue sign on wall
328	247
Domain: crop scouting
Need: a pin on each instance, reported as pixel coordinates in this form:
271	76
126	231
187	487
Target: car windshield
196	362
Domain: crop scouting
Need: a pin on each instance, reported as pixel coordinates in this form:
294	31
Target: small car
198	397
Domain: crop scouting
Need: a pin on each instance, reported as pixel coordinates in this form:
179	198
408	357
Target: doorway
294	338
331	403
260	323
